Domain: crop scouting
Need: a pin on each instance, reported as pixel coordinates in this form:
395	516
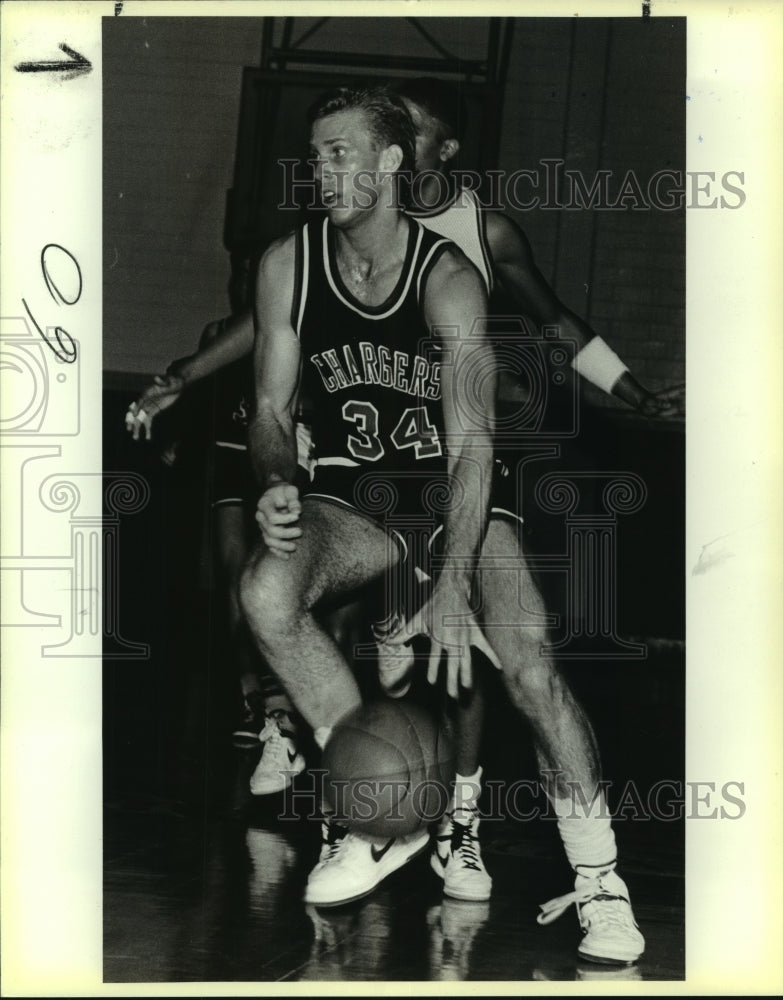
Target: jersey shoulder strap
481	229
302	254
431	248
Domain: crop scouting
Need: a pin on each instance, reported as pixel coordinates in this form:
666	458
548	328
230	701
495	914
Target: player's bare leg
566	749
513	610
285	600
457	854
468	726
267	716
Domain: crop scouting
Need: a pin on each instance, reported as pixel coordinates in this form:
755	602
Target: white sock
466	795
587	834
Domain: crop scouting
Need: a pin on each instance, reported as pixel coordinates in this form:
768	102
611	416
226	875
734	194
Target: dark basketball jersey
372	374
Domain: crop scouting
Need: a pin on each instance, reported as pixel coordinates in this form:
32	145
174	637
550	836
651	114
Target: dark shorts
395	500
233	391
232	478
233	482
411	510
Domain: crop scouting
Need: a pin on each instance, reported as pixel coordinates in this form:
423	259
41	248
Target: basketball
389	769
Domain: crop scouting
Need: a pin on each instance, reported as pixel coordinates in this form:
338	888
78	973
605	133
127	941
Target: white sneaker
351	865
281	761
457	859
603	905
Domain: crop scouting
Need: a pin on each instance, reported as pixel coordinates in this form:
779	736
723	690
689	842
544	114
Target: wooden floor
214	893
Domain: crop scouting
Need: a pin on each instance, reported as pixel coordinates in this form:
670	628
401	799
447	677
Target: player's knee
267	599
533	682
248	591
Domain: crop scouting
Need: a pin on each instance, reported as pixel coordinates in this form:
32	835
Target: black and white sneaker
603	904
352	865
281	760
457	858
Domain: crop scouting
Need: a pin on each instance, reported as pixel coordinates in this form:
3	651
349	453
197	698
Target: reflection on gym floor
218	896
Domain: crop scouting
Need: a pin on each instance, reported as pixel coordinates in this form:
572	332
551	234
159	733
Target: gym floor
218	897
203	882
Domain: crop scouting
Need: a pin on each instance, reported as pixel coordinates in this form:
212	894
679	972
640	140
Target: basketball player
341	301
501	252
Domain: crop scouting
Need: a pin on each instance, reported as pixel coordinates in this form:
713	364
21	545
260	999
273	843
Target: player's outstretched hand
666	403
277	515
449	622
163	393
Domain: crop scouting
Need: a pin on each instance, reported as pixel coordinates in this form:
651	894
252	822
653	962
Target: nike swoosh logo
378	854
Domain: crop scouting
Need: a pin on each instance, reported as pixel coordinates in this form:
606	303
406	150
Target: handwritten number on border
64	346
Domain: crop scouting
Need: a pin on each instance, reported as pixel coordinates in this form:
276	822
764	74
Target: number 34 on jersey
413	430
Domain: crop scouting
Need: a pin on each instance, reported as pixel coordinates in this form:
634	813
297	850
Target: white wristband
598	363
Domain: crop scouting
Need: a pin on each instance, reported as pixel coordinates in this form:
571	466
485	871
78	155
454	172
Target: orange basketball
389	769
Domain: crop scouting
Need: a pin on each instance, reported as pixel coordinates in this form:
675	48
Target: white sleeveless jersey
463	222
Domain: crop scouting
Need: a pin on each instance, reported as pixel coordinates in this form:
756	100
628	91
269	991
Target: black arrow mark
76	61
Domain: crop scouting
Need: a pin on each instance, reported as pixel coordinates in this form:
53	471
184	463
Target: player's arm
222	342
271	434
519	276
455	304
